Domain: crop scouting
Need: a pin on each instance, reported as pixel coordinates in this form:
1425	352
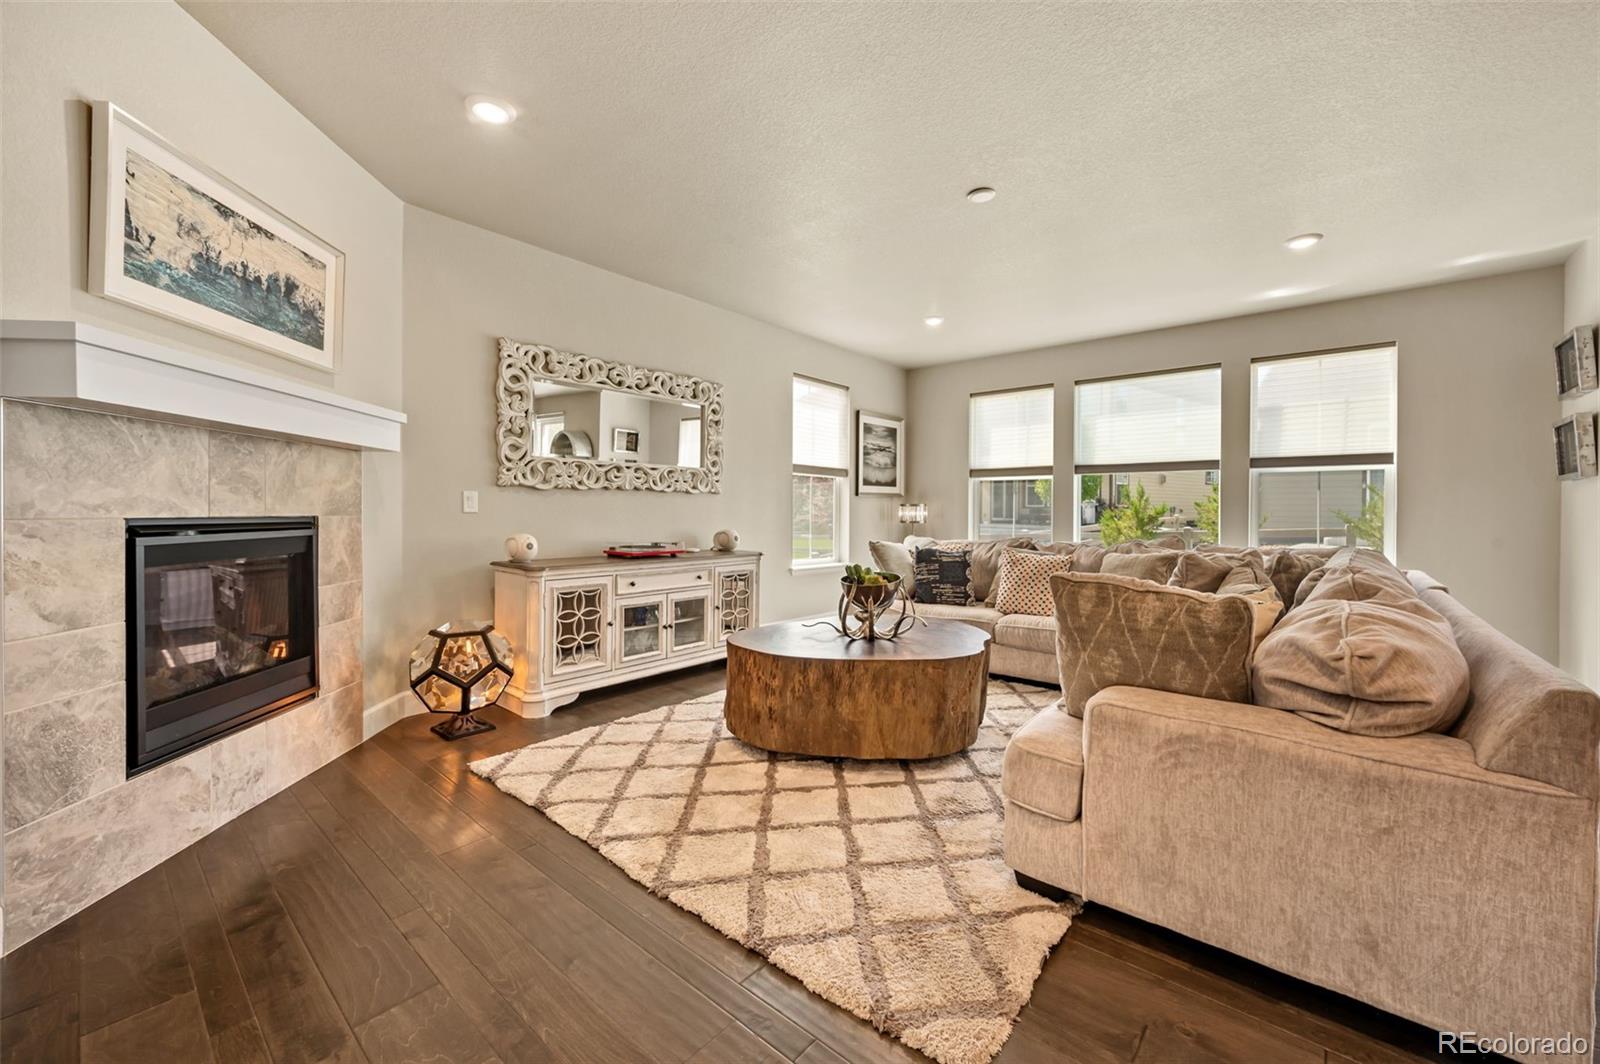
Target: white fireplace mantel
70	363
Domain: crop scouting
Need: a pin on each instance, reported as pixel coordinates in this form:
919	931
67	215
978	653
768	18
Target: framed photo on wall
880	454
171	236
625	445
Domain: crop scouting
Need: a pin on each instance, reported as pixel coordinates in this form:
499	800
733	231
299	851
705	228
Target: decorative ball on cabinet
522	547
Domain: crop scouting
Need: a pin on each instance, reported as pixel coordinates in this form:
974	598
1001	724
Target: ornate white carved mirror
570	421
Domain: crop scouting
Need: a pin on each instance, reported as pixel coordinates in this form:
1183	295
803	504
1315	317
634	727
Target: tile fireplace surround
75	827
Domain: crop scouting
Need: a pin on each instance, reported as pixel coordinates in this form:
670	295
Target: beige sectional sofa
1023	646
1447	876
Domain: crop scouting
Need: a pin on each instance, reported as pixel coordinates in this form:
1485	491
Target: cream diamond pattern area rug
879	885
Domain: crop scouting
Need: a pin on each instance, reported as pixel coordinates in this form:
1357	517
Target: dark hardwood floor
394	907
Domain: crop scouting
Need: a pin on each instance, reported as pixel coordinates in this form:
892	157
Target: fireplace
222	628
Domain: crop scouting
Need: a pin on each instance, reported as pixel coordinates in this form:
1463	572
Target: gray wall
160	65
1477	504
1580	499
464	287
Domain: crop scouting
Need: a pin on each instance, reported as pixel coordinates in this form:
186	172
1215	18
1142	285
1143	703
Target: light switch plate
469	502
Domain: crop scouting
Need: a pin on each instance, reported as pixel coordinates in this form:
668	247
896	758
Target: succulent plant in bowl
868	586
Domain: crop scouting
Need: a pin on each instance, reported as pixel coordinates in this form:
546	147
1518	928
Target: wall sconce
913	513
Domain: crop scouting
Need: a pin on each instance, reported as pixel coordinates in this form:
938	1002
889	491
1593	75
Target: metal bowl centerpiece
867	601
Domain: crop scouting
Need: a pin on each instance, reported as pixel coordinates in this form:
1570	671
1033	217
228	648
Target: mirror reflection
577	421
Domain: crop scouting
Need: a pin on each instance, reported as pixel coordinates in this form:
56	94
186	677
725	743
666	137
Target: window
1148	456
1322	442
689	441
1010	457
821	445
546	427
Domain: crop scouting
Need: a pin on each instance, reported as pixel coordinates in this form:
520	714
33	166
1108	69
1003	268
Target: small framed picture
625	445
880	454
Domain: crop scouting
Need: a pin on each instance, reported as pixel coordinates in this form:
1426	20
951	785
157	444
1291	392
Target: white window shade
1330	409
1166	420
1012	430
821	428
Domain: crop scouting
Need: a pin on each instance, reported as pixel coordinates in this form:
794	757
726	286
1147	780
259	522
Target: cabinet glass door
691	627
642	631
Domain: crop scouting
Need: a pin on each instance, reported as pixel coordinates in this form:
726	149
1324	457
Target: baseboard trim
395	707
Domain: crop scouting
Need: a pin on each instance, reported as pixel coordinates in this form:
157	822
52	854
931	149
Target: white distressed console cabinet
581	623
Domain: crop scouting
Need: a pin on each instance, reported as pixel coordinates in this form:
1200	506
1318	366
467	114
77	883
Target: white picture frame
625	444
173	237
880	449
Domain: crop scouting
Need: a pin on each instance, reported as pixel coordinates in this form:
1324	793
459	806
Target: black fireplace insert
222	628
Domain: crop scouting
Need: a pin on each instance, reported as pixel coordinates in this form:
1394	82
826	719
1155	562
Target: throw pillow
1357	574
985	557
896	558
1149	565
1364	667
944	577
1113	630
1024	584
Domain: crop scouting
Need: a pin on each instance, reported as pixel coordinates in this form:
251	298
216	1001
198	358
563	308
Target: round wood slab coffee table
799	690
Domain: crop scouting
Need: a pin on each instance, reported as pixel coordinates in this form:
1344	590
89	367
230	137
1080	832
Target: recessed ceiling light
982	194
1303	241
933	321
490	111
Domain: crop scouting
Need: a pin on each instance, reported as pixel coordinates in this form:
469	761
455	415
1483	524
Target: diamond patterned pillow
944	577
1024	584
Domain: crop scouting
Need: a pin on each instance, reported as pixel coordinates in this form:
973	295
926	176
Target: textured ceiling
805	164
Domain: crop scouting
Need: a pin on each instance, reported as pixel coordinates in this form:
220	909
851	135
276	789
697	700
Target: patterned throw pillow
1024	584
944	577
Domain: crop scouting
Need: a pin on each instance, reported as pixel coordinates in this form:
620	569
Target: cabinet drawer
642	583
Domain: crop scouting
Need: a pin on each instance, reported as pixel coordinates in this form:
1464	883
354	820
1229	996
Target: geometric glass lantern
460	667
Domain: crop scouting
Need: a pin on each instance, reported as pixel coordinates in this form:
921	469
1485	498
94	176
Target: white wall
159	64
465	286
1580	499
1477	503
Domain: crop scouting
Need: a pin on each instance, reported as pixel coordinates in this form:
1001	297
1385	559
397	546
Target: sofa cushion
978	616
1288	568
1170	541
1144	565
1357	574
1026	631
1205	571
1043	765
1024	584
1266	608
891	557
1366	667
944	576
1113	630
985	555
